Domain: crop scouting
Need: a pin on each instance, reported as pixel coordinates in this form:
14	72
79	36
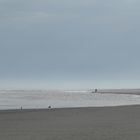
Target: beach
98	123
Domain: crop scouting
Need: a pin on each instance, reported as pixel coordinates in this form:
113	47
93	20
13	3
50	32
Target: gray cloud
69	40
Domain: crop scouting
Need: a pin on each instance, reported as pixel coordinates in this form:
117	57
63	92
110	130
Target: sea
42	99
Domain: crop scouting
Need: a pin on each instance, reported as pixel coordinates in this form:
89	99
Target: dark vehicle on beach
96	90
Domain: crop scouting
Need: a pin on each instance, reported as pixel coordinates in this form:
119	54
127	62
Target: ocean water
28	99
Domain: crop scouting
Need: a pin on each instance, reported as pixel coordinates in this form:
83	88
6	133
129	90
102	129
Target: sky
69	44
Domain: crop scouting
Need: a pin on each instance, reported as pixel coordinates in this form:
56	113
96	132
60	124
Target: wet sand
109	123
120	91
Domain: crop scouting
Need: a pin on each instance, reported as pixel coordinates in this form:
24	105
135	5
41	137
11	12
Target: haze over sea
34	99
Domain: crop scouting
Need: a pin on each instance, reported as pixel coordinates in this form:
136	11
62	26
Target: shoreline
65	108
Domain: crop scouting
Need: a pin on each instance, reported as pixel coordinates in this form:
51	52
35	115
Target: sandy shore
109	123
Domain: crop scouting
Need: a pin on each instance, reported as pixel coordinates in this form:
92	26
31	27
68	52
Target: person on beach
49	107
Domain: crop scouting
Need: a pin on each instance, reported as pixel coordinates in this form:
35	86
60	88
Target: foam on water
58	99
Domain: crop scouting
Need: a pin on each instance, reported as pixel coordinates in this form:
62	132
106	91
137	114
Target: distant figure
95	90
49	107
21	108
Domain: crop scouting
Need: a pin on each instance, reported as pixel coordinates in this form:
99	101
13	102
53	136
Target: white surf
12	99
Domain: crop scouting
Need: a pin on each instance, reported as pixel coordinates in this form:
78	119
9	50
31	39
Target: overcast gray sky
69	43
